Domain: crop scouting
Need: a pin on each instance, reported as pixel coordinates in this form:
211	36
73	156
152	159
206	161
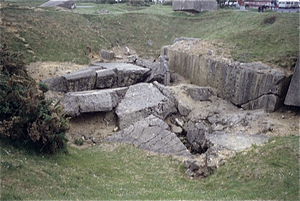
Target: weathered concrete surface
106	78
199	93
81	80
99	76
236	141
139	62
293	95
142	100
76	103
224	129
59	83
151	134
183	108
239	83
108	55
194	5
127	74
160	72
269	102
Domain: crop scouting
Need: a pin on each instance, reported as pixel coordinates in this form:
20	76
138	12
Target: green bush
25	114
137	3
79	141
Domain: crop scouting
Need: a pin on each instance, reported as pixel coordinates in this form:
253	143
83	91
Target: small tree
25	114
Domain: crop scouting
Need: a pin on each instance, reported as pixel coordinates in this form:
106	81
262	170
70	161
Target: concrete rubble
142	100
185	120
152	134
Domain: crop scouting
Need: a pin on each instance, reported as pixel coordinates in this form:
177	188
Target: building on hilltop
194	5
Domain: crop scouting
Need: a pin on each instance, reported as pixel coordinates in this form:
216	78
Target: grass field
103	172
52	35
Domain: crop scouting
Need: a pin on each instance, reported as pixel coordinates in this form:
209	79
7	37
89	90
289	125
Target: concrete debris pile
183	120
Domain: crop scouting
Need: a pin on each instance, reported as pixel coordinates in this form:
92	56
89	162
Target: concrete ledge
248	85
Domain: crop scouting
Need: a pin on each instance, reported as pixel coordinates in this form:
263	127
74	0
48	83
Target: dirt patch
92	128
43	70
270	20
212	49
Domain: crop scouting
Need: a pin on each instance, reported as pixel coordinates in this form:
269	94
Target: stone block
293	95
106	78
105	100
108	55
81	80
142	100
57	84
151	134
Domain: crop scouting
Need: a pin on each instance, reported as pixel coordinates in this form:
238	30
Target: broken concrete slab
127	74
59	84
107	55
151	134
160	71
106	78
76	103
99	76
198	93
183	108
81	80
236	141
293	95
142	100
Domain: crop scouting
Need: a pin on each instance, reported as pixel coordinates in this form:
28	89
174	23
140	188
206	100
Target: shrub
138	3
25	114
79	141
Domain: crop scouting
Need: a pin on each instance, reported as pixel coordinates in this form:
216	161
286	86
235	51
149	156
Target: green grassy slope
54	35
124	172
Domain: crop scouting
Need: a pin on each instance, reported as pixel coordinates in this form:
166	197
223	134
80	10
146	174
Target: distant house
194	5
60	3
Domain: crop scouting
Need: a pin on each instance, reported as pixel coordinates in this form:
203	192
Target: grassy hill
123	172
269	172
50	34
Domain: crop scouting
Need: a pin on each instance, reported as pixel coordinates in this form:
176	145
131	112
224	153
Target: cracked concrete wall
247	85
293	94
